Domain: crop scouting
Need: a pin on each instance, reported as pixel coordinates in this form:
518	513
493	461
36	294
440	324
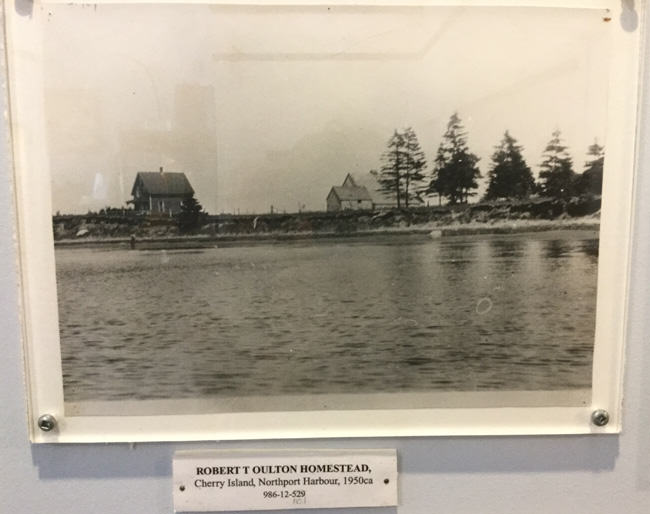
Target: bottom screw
47	422
600	417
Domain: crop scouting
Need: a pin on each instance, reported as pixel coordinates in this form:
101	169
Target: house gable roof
349	181
165	183
348	193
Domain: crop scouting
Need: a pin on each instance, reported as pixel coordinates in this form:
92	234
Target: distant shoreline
506	227
121	227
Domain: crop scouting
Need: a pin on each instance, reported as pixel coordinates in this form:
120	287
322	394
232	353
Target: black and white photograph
339	207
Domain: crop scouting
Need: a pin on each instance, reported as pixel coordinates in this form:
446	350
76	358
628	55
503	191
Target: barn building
380	200
348	196
160	192
359	192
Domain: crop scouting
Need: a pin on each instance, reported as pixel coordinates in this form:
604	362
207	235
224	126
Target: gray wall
438	475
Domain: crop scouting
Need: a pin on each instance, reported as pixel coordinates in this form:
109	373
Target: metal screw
47	422
600	417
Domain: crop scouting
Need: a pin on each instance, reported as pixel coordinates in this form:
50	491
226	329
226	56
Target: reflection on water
397	314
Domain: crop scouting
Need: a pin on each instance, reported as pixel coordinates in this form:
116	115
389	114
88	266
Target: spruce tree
455	170
189	218
414	169
392	168
557	178
591	180
402	168
510	176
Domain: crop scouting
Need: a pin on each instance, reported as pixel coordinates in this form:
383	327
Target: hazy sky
273	106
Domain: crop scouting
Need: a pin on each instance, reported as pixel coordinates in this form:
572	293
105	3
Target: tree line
455	173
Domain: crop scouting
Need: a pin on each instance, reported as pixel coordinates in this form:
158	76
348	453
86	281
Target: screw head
47	422
600	417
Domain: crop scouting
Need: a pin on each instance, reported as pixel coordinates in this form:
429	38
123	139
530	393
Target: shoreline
505	227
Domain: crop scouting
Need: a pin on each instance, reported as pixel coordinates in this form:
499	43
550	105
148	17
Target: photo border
38	284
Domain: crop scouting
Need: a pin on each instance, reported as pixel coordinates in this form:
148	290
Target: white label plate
215	480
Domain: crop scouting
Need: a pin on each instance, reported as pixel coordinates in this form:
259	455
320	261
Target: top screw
47	422
600	417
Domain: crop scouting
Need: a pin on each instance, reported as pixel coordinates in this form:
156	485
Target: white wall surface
576	474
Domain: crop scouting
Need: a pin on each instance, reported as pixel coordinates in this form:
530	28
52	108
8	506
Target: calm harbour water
384	315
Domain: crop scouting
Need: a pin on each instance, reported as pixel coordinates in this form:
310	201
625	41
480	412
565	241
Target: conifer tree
455	170
189	218
510	176
591	180
402	168
392	168
414	170
557	178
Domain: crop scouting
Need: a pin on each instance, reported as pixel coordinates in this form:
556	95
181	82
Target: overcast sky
273	106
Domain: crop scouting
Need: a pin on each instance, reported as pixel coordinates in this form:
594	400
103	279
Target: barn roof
351	193
369	181
163	183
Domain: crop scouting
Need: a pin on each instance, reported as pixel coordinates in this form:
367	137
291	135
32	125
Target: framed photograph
296	219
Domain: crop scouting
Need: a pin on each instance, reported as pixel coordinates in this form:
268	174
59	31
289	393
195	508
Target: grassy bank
482	218
585	225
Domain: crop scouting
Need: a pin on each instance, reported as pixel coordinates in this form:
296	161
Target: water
384	315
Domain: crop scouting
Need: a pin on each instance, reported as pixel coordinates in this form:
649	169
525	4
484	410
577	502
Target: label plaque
215	480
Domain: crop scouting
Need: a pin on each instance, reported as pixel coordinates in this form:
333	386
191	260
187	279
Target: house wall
138	190
356	205
166	204
333	203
